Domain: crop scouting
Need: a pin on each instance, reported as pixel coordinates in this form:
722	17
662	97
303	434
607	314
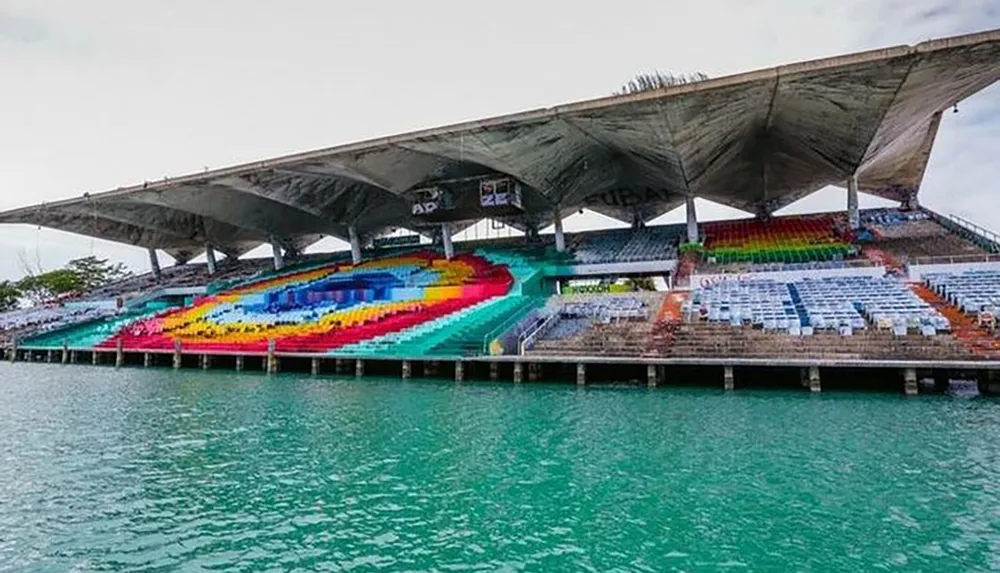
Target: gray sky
107	93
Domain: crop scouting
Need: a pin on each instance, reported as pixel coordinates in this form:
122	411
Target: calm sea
162	471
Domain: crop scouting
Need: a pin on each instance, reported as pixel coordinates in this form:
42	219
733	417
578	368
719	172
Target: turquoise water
161	471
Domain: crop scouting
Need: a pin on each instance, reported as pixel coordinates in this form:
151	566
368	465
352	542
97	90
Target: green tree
78	276
93	272
46	286
10	296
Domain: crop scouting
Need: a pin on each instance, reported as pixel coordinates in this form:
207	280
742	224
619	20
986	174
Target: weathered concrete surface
754	141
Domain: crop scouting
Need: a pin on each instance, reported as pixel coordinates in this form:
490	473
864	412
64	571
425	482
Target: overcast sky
99	94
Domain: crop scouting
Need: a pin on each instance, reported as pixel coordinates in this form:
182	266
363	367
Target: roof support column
692	220
449	250
355	245
279	257
853	215
154	264
210	259
560	236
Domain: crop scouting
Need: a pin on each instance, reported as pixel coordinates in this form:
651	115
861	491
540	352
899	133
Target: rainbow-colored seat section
325	309
783	240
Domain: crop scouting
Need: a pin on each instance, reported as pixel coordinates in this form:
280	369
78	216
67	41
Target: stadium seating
320	310
718	340
628	245
911	235
600	325
845	304
31	322
794	239
972	291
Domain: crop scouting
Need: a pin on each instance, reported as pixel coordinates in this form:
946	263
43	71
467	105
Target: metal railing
527	339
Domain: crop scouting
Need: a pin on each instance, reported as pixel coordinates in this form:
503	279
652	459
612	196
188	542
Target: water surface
159	471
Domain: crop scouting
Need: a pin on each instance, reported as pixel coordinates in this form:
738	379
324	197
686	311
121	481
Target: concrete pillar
206	361
314	367
518	373
910	382
48	356
119	353
154	264
239	363
177	355
13	352
359	368
355	245
692	220
72	356
279	257
338	365
728	379
853	215
534	370
210	259
407	370
814	382
581	374
95	358
65	355
449	250
459	371
494	370
147	360
272	360
560	236
651	378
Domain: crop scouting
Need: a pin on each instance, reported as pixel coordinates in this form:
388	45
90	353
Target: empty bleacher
844	304
627	245
912	235
793	239
973	291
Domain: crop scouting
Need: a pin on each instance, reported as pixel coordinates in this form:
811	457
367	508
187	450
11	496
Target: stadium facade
902	288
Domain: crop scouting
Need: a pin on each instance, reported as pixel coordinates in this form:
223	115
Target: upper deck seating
794	239
627	245
909	235
972	291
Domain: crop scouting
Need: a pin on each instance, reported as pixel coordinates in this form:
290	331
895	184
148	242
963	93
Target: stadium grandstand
902	289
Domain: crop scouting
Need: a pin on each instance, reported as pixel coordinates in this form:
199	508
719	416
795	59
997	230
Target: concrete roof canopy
756	141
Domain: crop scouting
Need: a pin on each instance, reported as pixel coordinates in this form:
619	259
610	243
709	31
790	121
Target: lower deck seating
716	340
972	291
23	324
845	304
601	325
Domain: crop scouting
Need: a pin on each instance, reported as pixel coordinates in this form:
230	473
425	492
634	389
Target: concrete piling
459	371
728	378
407	370
240	363
177	355
651	377
910	386
359	368
814	380
314	367
581	374
518	373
